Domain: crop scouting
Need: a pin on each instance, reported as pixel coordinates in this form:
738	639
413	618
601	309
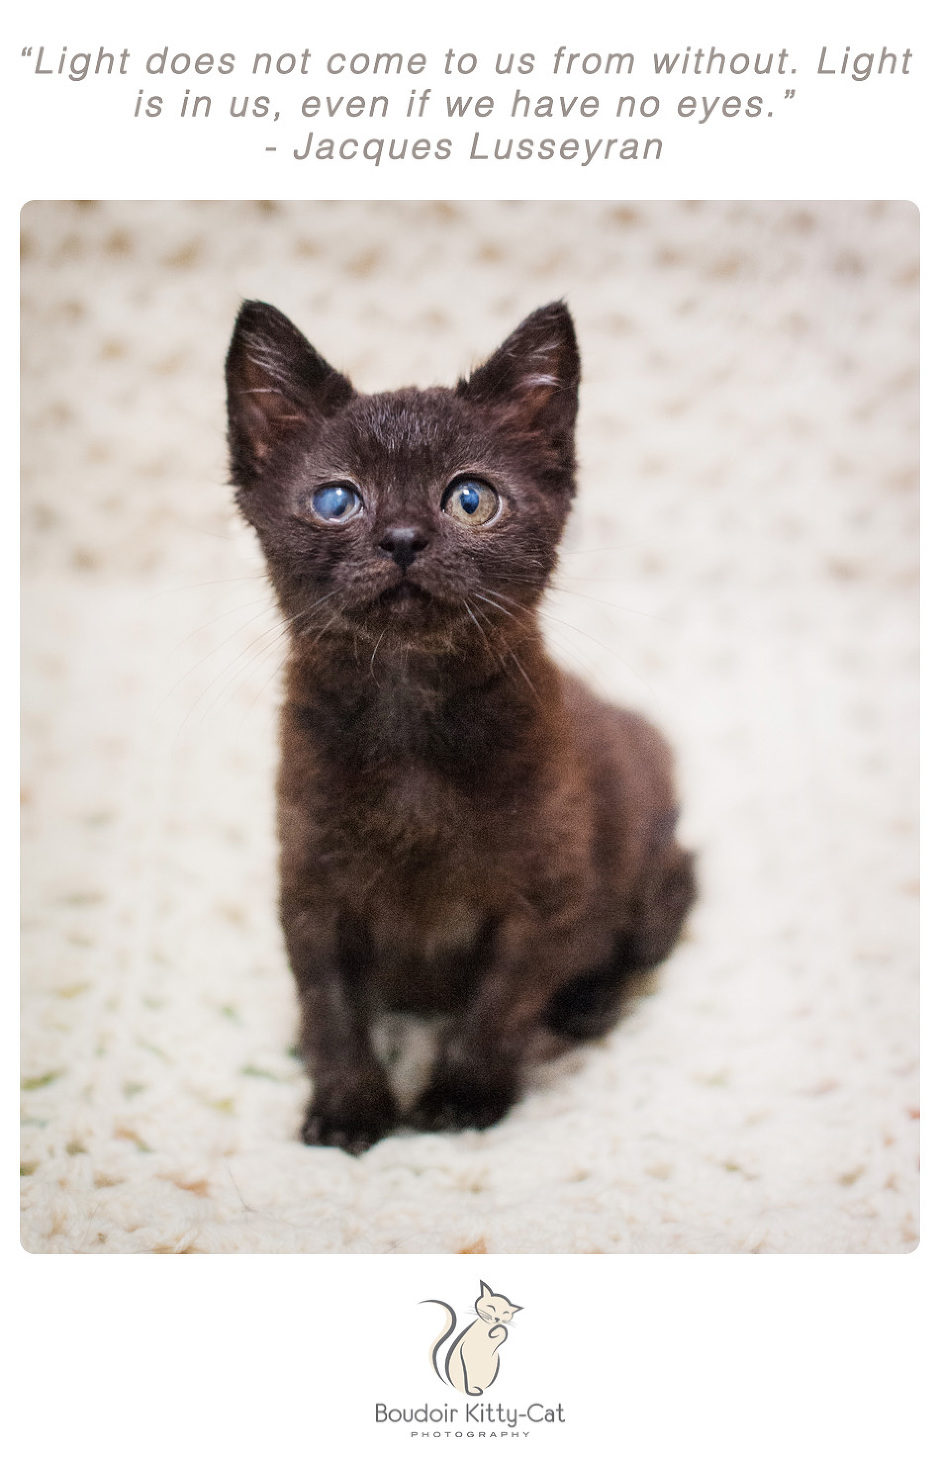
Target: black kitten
464	828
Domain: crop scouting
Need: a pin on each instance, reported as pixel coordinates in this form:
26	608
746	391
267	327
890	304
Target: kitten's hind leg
476	1079
663	901
589	1005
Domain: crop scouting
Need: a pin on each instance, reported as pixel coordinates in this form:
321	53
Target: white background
646	1353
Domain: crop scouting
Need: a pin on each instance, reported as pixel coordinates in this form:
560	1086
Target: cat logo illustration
471	1363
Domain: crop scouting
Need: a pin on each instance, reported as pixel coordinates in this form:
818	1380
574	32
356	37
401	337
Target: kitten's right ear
277	383
532	379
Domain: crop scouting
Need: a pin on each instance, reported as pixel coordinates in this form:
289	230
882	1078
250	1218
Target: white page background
645	1353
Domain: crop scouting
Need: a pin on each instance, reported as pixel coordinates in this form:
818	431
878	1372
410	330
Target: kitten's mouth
403	594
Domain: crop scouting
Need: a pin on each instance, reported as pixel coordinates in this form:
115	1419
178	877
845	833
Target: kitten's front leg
352	1105
465	1092
478	1073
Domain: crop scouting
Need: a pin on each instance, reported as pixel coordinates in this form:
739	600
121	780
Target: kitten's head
494	1309
400	514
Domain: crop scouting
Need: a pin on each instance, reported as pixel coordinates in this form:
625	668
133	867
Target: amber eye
470	501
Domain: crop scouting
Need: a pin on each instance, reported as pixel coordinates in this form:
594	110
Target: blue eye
471	502
336	503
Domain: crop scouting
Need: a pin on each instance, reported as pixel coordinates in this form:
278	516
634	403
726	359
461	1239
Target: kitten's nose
403	544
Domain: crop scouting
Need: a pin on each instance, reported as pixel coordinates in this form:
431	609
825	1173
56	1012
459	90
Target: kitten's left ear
533	376
515	1308
277	385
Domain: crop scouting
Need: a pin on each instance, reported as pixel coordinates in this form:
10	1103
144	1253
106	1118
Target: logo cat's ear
514	1308
484	1289
532	379
277	383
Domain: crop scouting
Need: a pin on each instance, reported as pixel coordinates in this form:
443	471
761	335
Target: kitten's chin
410	608
404	613
413	617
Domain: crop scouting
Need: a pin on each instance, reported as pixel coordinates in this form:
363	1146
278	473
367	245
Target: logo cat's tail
444	1335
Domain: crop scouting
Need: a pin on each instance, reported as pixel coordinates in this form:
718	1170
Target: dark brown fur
464	829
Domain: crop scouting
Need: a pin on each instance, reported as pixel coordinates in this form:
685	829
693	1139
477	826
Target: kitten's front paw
352	1119
456	1100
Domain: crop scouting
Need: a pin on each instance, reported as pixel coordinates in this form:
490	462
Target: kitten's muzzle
402	544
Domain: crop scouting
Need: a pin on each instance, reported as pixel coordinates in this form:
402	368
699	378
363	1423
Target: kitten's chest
420	844
423	888
427	942
410	772
405	807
